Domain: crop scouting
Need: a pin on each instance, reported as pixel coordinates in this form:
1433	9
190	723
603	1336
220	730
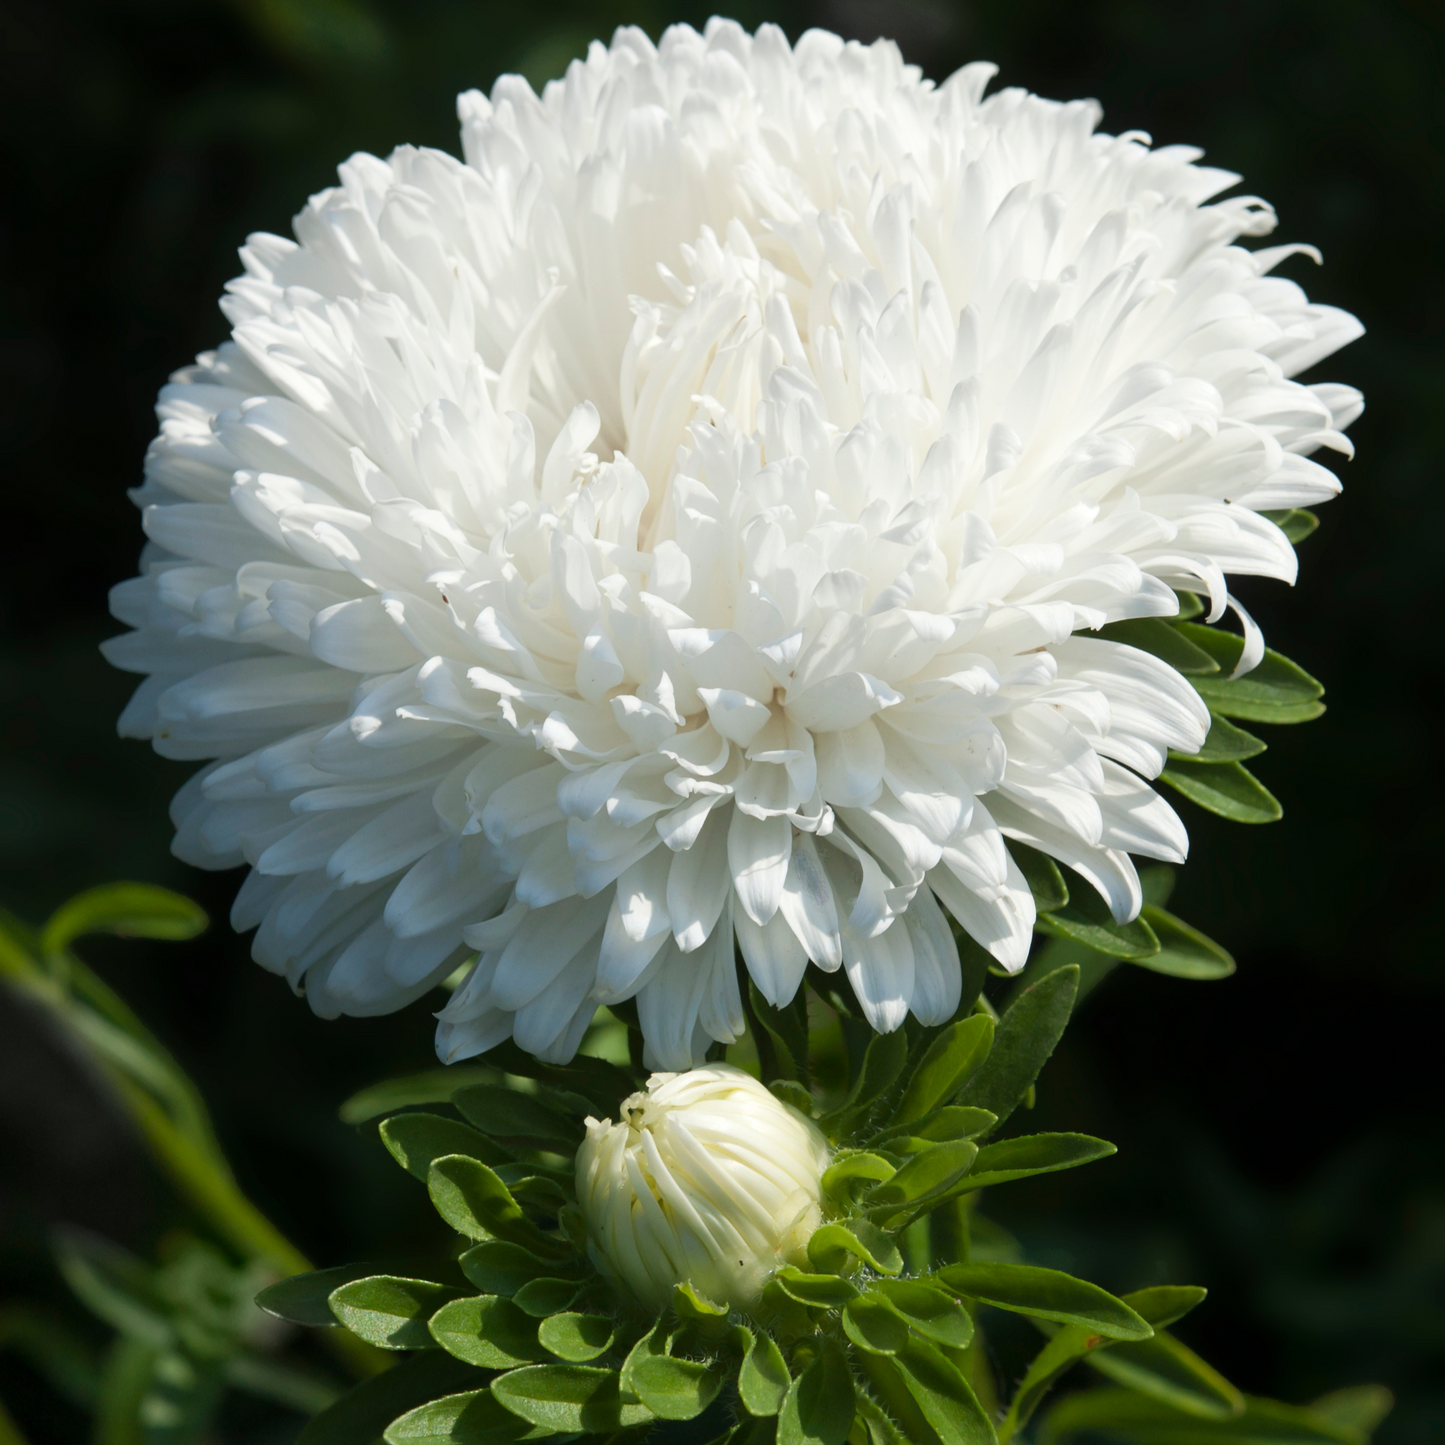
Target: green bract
877	1340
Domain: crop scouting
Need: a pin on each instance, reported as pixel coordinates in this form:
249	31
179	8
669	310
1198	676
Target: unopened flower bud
706	1178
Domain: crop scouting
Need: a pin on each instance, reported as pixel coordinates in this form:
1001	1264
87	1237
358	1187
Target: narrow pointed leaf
1086	919
390	1311
487	1330
1164	641
131	910
569	1398
1184	952
1124	1415
1166	1370
1029	1154
947	1065
1026	1035
1277	691
1160	1306
1047	1294
944	1396
304	1299
1228	789
1225	743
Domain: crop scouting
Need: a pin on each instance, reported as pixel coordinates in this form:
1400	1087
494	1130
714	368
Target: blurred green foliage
1278	1137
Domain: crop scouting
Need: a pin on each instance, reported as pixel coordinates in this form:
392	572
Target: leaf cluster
1277	691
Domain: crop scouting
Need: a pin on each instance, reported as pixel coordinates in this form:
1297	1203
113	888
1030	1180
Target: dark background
1279	1132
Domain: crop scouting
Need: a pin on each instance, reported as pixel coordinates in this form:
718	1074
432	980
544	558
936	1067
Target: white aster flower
707	1178
685	519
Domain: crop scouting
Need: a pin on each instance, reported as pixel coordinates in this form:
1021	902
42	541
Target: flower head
706	1178
685	520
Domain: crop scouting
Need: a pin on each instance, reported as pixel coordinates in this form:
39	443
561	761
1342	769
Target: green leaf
674	1389
569	1398
576	1337
1184	952
924	1177
131	910
360	1416
1046	1294
487	1330
873	1324
1042	875
497	1266
475	1202
389	1311
1189	606
794	1095
1062	1353
820	1403
1167	642
1124	1415
947	1065
943	1396
763	1376
1027	1033
1277	691
844	1177
115	1286
520	1120
1358	1407
781	1036
1295	522
431	1086
415	1140
831	1244
933	1313
545	1296
693	1308
950	1122
881	1430
1166	1370
817	1291
304	1299
1087	920
1028	1154
1228	789
1162	1304
882	1064
1224	743
470	1418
